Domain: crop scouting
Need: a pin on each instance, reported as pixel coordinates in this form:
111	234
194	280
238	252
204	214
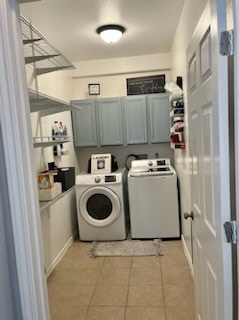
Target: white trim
18	153
187	254
120	73
61	254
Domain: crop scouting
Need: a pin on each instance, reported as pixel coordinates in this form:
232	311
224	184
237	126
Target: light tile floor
122	288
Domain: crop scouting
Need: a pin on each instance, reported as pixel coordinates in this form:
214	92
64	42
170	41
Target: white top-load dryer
153	199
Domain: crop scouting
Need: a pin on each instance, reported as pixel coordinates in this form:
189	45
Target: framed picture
145	85
94	88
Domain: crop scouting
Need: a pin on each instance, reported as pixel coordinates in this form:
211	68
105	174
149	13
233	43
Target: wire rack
47	105
39	52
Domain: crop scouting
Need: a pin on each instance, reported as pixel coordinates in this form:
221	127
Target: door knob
188	215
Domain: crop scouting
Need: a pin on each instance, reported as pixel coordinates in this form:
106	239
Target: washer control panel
110	178
97	179
101	179
106	179
149	163
162	162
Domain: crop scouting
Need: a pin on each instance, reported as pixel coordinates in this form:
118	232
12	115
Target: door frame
19	165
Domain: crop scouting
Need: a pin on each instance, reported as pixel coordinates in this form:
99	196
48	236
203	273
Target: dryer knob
97	179
150	163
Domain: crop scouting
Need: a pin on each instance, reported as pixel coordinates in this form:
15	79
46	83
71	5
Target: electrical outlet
142	156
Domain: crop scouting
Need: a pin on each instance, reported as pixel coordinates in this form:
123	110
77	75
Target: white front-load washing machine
102	206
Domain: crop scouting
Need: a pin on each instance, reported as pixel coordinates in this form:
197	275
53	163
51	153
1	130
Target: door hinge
227	43
230	228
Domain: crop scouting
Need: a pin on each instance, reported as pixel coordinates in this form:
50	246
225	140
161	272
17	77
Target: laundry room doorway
209	146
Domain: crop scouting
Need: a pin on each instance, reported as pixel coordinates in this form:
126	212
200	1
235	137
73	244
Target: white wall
190	15
58	85
111	74
162	149
153	62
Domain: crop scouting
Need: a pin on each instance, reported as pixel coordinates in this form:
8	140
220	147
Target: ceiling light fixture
110	33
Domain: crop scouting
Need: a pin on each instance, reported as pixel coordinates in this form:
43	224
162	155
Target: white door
208	132
236	108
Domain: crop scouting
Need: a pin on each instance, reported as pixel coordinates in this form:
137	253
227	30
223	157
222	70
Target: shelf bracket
28	41
40	71
39	58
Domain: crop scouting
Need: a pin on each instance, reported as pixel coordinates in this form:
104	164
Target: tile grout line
126	305
89	304
161	274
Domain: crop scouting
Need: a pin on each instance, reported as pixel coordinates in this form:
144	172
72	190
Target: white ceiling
71	26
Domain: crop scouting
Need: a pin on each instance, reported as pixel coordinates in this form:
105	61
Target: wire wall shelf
49	141
40	52
47	105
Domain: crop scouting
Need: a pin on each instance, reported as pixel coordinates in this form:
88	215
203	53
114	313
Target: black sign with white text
145	85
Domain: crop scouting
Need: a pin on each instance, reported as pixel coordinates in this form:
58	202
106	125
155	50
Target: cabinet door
59	224
159	120
110	121
135	115
84	124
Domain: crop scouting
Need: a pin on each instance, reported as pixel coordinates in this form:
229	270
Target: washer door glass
99	206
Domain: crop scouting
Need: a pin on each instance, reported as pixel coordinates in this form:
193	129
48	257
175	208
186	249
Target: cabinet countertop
45	204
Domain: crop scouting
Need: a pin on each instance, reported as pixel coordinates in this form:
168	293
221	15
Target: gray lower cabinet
135	119
110	121
159	119
85	124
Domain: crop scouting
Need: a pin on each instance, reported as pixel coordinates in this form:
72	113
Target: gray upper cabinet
110	121
130	120
85	124
135	119
159	120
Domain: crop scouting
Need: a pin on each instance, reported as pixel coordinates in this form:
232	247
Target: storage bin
66	176
50	194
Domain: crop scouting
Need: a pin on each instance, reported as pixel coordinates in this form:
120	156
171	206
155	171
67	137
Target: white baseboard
188	256
61	254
